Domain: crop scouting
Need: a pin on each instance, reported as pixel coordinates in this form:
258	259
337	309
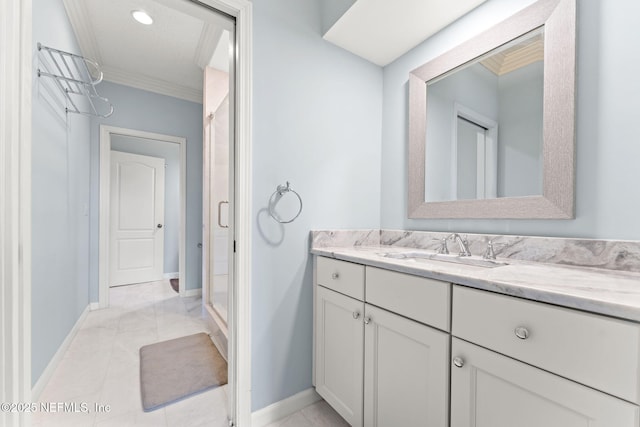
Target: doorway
137	218
474	155
17	194
139	142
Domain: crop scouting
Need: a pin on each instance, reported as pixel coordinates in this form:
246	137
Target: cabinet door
491	390
339	347
406	372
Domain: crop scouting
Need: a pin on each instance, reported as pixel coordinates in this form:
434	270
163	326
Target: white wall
608	99
170	152
60	199
317	112
150	112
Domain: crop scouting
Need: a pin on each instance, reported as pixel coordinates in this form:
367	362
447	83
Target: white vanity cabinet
339	342
376	367
492	390
406	373
517	362
393	349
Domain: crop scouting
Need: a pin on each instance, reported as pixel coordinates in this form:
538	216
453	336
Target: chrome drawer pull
367	320
458	361
522	332
334	276
356	314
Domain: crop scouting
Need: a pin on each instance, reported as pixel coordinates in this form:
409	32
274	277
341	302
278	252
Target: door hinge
234	246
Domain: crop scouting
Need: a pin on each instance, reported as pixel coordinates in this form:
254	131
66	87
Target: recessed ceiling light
142	17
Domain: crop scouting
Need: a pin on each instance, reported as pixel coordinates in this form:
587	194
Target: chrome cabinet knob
334	276
367	320
356	314
522	332
159	225
458	361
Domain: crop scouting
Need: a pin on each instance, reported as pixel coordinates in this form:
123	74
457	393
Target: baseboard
284	408
94	306
55	361
168	276
193	292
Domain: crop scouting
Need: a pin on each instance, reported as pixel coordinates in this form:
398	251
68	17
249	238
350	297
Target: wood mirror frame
558	149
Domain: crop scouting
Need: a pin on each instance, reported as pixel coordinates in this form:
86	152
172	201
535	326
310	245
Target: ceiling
515	55
383	30
167	57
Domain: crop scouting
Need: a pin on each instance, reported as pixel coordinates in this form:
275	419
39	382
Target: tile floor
101	367
320	414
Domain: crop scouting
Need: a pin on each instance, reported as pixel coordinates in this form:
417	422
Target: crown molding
517	57
209	39
81	23
152	84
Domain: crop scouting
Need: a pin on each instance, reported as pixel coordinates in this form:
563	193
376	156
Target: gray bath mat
175	369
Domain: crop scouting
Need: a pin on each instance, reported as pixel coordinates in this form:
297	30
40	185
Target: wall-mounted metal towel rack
75	76
281	190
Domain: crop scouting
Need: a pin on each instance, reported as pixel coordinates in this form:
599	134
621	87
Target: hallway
101	365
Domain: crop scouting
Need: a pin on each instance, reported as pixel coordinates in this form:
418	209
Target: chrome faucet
490	252
443	249
462	243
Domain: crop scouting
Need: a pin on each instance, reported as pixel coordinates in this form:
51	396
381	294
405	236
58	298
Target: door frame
105	204
240	311
491	147
16	53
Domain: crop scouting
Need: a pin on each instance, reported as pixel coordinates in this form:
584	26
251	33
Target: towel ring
280	191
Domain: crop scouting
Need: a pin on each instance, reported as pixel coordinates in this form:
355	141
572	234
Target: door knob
458	361
159	225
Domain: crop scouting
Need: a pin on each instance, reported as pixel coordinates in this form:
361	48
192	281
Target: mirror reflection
484	125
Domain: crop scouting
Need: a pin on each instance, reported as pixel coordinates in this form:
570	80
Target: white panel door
136	219
339	359
406	372
491	390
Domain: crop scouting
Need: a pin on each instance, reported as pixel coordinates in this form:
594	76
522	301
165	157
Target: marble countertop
608	292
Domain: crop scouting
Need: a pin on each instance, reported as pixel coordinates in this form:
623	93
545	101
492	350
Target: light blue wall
608	99
316	123
60	200
141	110
520	131
473	87
170	152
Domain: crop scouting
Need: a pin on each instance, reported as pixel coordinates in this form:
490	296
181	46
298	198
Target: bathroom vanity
403	338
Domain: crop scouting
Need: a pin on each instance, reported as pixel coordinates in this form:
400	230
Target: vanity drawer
594	350
425	300
341	276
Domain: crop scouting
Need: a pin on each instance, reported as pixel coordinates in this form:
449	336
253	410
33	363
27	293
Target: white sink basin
456	259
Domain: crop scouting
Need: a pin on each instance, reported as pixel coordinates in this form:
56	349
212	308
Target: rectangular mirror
491	126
